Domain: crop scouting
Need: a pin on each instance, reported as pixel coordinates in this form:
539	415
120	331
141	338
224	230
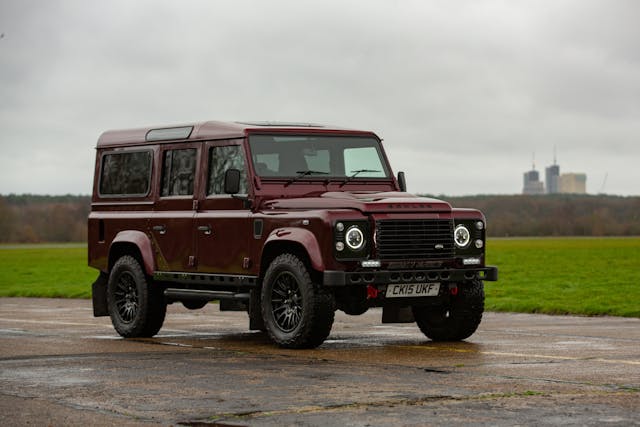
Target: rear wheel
194	304
456	321
136	309
297	313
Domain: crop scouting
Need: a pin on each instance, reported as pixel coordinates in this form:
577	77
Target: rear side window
126	173
178	172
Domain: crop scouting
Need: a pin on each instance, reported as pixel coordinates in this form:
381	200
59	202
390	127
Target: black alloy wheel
136	305
286	302
126	297
297	313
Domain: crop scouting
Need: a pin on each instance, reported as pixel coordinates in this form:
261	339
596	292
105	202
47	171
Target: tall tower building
552	176
532	183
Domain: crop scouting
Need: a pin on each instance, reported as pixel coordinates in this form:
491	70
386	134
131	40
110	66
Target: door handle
160	229
206	229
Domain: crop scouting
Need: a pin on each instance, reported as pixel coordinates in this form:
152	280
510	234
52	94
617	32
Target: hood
365	202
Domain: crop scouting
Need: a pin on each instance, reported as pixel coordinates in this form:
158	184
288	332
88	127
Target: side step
200	294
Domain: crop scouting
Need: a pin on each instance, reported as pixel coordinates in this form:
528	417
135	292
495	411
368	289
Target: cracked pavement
61	366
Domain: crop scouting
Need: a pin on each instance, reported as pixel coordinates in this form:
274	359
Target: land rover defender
288	222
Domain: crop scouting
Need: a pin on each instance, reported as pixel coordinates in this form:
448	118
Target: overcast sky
462	92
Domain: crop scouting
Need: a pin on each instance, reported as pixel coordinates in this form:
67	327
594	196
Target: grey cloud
492	81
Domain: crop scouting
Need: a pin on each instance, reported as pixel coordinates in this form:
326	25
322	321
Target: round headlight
354	238
461	236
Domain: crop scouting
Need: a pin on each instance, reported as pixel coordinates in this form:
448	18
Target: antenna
604	182
555	161
533	159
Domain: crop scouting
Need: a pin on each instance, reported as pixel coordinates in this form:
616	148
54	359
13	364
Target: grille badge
439	246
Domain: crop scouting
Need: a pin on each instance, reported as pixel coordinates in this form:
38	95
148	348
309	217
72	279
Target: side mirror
232	181
402	181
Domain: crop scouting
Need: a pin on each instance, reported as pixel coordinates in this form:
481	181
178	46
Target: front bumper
386	277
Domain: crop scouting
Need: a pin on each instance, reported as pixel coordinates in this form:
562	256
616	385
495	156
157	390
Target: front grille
414	239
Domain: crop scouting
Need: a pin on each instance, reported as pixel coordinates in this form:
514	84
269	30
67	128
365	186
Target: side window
126	173
222	159
364	159
178	171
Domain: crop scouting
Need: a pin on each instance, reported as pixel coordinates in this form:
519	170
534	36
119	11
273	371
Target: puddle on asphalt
45	376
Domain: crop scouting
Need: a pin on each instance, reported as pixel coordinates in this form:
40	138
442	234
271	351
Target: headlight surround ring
461	236
354	238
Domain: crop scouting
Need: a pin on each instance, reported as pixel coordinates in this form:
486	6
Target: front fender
299	236
138	239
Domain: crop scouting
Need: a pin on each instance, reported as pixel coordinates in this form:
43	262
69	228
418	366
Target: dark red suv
288	222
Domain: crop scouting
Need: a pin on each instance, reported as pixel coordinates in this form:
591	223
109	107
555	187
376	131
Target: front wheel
136	309
297	313
457	320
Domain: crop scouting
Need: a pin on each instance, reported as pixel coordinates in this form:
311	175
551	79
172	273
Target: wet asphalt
61	366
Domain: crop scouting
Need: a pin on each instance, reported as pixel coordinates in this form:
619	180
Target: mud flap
99	295
255	312
394	314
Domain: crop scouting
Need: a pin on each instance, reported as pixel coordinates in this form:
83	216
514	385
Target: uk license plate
413	290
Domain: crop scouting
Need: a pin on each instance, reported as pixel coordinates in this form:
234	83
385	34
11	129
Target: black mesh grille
414	239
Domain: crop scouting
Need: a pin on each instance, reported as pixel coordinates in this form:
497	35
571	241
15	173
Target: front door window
222	159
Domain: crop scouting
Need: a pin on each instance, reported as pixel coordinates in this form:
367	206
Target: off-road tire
297	313
136	308
457	321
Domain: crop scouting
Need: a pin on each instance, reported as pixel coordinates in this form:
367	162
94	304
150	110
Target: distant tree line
33	219
556	215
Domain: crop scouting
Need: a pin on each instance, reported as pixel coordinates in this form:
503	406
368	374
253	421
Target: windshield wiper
302	174
356	173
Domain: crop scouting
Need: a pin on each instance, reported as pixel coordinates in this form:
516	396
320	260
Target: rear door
172	223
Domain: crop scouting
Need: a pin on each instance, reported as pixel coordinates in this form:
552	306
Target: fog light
479	225
340	226
479	243
370	263
339	246
471	261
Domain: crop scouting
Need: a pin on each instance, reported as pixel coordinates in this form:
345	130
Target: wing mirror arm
402	182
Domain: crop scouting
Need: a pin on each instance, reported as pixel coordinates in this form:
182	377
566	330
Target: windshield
317	156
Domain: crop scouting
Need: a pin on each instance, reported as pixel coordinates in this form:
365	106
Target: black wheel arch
120	249
273	249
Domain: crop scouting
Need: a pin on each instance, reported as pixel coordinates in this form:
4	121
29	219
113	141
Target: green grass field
45	271
557	276
588	276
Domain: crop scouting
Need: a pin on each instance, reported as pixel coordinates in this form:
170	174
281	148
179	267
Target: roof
211	130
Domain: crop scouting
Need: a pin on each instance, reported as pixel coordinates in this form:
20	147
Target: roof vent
282	124
168	134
